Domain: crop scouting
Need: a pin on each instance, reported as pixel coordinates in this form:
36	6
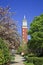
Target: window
23	32
23	29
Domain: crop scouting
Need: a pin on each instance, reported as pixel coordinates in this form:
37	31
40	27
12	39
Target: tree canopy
8	28
36	34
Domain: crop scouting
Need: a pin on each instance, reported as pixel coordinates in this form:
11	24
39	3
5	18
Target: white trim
24	27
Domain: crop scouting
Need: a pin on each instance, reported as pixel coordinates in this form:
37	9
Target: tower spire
24	22
24	17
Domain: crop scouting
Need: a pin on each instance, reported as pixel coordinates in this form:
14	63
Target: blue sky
29	8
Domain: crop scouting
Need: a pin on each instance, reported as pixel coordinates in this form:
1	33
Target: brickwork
24	34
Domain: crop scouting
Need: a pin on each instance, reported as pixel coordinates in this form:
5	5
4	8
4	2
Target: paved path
18	60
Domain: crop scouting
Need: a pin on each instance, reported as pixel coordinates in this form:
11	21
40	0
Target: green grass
26	63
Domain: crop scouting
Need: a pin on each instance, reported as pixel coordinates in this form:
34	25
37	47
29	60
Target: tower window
23	29
23	32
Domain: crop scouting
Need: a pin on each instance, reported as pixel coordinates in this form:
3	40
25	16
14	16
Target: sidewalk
18	60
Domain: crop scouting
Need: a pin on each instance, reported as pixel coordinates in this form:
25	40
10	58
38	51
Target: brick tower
24	30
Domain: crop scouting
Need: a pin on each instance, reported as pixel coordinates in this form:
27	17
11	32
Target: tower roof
24	17
24	22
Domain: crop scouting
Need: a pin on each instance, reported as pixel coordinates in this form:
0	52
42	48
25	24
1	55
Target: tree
4	53
36	34
8	28
22	48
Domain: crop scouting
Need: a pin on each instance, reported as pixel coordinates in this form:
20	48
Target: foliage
34	60
4	52
31	55
35	44
26	63
23	48
38	61
2	60
12	58
8	28
19	50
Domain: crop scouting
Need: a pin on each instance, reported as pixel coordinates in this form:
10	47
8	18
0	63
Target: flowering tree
8	28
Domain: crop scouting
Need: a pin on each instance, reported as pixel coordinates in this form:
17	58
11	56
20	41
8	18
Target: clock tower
24	30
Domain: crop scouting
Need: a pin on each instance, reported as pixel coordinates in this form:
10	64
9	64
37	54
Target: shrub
26	63
34	60
4	52
2	60
31	55
38	61
12	58
29	59
19	50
